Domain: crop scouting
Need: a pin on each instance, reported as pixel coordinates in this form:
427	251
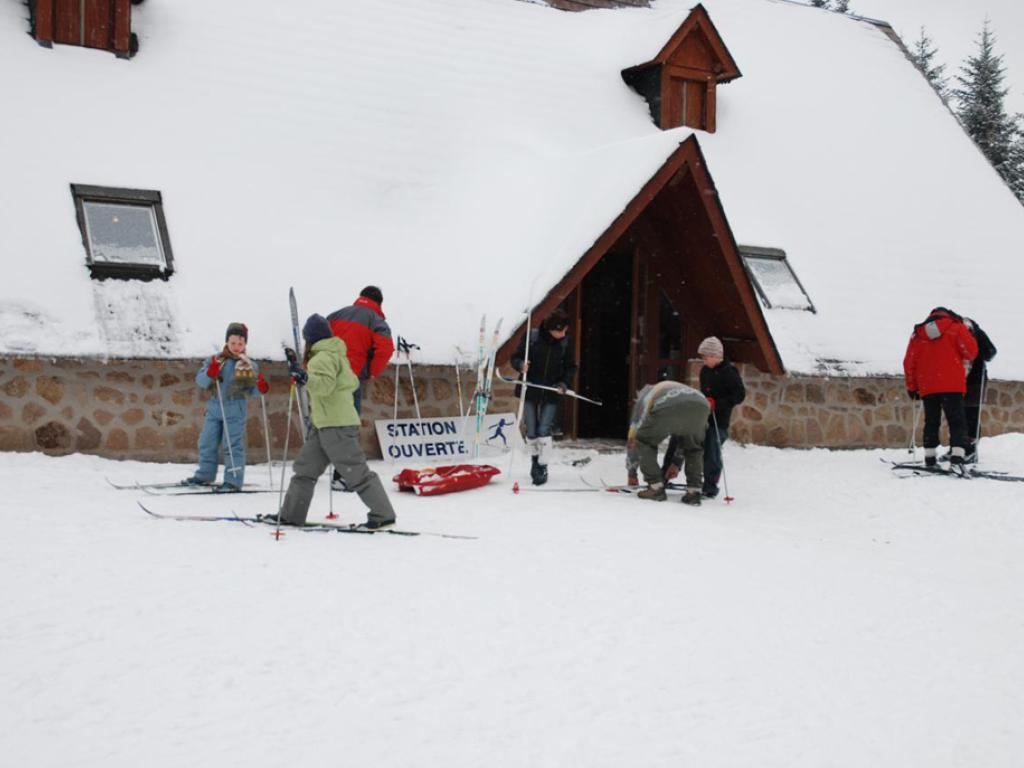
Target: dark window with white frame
124	233
774	280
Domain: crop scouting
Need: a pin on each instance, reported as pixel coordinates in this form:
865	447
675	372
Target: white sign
445	439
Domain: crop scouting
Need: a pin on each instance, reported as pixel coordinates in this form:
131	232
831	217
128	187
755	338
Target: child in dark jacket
230	377
721	384
551	363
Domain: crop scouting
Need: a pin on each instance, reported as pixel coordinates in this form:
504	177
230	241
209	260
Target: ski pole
981	401
284	459
912	448
458	385
407	348
398	377
227	434
522	393
266	436
721	457
330	496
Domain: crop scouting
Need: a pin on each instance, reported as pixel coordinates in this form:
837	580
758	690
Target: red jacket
939	355
366	335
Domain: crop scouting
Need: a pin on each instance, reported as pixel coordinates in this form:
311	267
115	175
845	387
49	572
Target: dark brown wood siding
67	22
103	24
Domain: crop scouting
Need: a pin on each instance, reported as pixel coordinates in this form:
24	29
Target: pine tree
842	6
1015	176
923	56
980	103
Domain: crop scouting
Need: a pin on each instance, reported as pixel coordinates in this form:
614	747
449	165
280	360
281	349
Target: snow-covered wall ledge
152	410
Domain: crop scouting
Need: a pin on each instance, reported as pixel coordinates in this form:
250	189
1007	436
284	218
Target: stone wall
152	410
849	412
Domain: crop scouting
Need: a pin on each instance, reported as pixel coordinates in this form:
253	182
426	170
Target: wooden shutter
103	24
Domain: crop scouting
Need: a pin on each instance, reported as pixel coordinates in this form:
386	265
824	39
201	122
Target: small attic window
774	280
680	84
124	233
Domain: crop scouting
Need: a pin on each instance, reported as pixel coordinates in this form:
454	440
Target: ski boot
691	497
653	492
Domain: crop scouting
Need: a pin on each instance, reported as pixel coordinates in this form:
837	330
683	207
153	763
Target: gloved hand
298	375
913	395
261	385
632	480
671	472
213	369
712	403
561	389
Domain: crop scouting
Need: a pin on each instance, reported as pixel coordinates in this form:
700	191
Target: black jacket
724	384
552	362
986	351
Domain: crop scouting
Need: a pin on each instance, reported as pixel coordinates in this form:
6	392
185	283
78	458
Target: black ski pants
952	404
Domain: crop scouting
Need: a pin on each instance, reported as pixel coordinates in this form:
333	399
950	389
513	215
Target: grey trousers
686	419
338	446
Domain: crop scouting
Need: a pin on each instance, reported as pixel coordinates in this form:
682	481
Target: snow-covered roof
463	154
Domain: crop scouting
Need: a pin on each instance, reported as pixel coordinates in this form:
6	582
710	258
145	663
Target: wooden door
659	331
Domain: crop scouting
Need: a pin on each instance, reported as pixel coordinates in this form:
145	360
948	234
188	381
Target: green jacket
331	385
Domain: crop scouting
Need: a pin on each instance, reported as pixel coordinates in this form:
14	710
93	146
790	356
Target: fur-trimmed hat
316	329
712	347
237	329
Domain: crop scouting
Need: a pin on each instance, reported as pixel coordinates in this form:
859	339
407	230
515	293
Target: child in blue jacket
239	378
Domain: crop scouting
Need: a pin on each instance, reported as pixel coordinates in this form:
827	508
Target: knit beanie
712	347
316	329
237	329
373	293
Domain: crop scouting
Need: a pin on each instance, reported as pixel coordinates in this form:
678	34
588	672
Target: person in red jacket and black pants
935	369
368	343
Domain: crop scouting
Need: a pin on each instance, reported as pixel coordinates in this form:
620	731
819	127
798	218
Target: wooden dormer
680	83
102	24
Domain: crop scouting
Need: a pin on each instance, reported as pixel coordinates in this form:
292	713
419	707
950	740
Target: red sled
436	480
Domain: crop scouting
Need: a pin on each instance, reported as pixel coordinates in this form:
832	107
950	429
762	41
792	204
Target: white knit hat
712	347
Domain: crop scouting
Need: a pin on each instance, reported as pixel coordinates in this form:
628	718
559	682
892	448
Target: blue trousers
539	418
213	435
713	456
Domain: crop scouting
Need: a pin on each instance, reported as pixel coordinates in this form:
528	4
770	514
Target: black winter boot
542	474
536	470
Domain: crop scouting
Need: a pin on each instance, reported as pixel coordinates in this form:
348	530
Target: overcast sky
953	26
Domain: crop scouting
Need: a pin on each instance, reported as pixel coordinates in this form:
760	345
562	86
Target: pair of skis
964	473
322	526
484	379
185	489
292	354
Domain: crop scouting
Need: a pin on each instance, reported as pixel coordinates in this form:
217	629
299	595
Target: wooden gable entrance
663	276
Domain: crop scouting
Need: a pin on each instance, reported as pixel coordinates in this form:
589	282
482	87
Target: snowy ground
834	615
